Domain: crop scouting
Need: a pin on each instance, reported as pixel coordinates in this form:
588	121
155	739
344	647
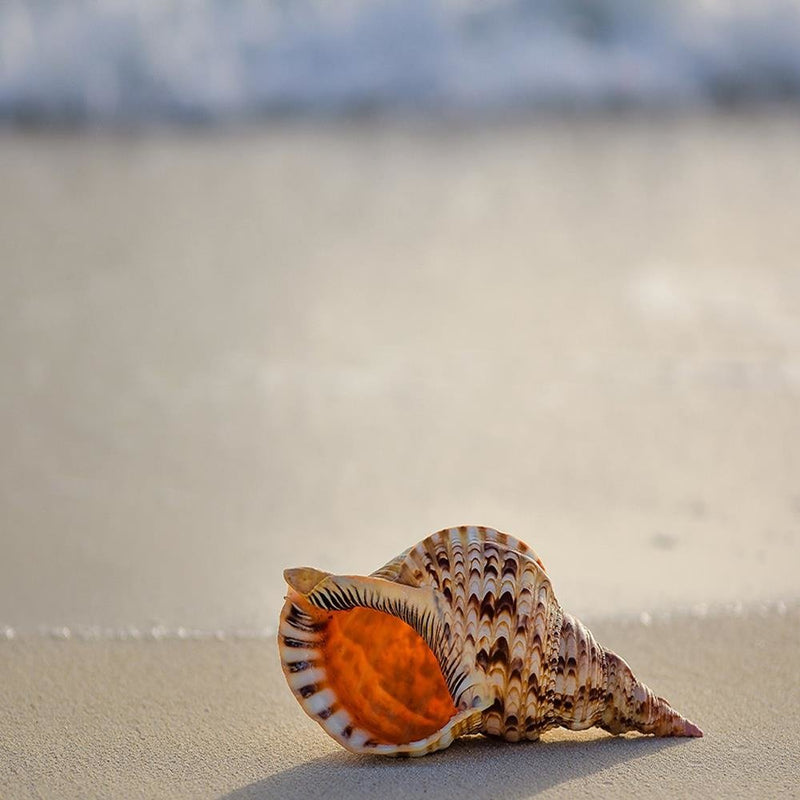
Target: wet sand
222	355
214	719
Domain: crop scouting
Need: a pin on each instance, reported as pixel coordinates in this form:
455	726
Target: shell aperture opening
382	680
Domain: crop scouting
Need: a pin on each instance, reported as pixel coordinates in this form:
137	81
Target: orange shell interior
385	675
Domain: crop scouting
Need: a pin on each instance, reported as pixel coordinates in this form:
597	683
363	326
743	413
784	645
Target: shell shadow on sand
473	767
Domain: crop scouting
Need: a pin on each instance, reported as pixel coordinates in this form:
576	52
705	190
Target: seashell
459	634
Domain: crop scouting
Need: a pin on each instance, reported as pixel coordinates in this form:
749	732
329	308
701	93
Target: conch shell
459	634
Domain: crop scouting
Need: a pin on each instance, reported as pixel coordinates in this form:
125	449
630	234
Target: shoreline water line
88	633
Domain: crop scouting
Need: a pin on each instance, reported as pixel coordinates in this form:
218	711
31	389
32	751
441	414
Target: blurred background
290	283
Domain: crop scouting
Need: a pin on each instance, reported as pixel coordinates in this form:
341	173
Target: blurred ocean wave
210	60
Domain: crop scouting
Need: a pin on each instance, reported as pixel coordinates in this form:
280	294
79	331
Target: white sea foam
163	632
134	632
700	611
217	59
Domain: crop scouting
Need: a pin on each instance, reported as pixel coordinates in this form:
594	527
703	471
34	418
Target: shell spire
460	634
594	686
633	706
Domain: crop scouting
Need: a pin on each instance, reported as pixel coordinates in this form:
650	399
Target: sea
116	61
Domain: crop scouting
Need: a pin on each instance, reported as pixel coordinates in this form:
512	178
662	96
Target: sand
214	719
229	353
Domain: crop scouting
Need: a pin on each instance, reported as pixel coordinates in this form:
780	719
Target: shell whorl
514	664
499	621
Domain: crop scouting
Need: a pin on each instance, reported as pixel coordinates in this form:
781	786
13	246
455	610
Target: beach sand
214	719
228	353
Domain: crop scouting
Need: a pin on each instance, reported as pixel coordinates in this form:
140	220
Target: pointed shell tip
690	729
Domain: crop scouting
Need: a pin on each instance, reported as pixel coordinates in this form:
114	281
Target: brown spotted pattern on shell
459	634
